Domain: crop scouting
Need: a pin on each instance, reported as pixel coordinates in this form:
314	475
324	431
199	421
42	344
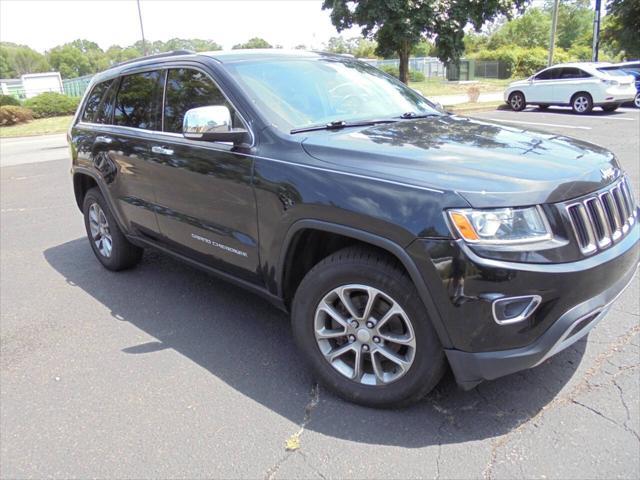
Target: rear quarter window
94	101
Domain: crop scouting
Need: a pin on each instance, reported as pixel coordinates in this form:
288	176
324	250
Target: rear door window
94	100
572	72
186	89
549	74
138	101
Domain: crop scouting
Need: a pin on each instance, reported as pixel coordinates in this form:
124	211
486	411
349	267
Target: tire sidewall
94	196
422	376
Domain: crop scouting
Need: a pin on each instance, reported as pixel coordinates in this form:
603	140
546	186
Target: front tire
107	241
636	100
517	102
581	103
361	324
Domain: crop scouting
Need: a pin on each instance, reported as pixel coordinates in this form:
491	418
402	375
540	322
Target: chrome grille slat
602	218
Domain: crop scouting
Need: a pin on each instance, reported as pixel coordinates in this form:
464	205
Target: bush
11	114
51	104
391	70
9	100
416	76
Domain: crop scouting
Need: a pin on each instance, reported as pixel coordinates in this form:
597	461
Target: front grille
603	217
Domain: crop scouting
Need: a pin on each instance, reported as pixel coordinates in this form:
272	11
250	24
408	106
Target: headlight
503	226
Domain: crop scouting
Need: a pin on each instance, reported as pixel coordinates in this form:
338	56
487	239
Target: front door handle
103	139
161	150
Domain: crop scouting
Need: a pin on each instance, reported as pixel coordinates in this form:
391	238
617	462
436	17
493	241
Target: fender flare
385	244
77	170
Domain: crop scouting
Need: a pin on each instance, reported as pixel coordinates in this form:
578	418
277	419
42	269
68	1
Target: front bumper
472	368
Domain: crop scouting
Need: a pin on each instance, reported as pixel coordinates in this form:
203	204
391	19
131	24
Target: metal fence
491	69
75	87
429	66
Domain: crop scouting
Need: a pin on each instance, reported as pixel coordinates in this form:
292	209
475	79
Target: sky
43	24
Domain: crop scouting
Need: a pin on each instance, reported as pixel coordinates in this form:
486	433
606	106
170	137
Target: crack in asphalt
580	387
292	444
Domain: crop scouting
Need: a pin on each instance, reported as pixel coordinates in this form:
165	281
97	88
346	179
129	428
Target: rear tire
107	241
517	102
610	108
636	100
364	373
581	103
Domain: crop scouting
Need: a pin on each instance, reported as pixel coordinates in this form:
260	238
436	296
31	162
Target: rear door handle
161	150
103	139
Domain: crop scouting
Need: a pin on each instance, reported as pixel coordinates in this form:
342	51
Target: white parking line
543	124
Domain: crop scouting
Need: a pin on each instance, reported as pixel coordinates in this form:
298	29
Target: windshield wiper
407	115
339	124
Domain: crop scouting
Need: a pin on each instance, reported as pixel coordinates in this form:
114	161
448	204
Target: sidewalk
447	100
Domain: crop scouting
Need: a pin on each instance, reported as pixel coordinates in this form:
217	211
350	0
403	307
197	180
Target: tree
255	42
70	61
399	25
532	29
575	23
17	60
422	49
622	24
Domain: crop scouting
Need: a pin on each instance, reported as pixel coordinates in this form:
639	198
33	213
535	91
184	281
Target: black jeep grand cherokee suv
401	238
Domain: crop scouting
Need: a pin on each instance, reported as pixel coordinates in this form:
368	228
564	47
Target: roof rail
151	57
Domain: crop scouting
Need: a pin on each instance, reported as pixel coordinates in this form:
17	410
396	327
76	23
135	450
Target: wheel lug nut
352	338
370	324
376	339
365	348
354	324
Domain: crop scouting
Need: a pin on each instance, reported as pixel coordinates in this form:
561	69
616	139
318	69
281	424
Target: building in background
32	84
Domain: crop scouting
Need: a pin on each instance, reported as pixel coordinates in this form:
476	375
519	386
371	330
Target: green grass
436	86
41	126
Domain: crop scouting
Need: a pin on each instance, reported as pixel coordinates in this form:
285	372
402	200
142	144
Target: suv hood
490	165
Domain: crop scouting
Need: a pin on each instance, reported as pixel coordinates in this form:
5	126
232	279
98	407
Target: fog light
509	310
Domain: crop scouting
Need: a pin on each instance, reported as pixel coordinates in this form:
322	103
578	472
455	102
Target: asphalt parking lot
162	371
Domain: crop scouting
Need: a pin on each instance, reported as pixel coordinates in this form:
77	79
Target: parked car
399	237
628	68
581	86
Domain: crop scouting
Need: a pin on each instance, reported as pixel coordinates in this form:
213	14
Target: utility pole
596	32
554	24
144	44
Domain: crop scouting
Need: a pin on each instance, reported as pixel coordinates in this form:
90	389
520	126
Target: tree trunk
403	55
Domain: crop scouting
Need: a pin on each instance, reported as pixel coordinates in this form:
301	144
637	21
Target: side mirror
212	124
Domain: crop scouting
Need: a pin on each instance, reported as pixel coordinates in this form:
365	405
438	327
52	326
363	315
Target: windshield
297	93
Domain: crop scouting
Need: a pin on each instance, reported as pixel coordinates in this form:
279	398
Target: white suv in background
579	85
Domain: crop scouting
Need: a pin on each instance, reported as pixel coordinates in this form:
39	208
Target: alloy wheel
100	232
636	101
581	104
364	334
516	102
